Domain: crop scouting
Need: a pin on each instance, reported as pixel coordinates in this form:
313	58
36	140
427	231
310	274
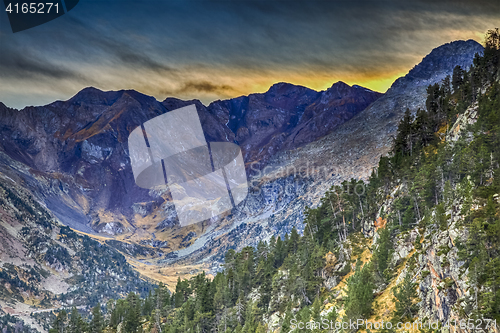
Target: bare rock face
80	145
288	116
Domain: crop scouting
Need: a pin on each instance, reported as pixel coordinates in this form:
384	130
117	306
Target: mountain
72	158
46	265
288	116
299	178
355	145
68	162
415	248
81	144
79	150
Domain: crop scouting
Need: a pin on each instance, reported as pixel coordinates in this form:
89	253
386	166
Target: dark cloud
23	65
58	55
205	87
85	40
208	48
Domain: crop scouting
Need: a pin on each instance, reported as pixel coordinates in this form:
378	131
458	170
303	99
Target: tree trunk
416	205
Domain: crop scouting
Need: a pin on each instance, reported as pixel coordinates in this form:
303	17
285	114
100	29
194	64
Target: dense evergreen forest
436	174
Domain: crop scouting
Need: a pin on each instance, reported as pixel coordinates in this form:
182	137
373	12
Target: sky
211	50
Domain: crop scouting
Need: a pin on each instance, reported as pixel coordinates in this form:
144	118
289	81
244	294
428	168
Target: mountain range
67	163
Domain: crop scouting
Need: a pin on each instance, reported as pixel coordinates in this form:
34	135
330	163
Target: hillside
46	265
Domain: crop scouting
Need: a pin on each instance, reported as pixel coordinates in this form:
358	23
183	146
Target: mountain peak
285	87
455	48
340	84
341	89
446	57
91	95
439	62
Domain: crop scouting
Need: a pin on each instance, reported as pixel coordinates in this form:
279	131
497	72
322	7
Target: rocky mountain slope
287	117
44	264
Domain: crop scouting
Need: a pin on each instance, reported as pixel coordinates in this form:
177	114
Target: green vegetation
359	301
11	324
405	296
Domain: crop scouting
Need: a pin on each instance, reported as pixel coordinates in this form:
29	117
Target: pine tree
76	324
118	313
285	324
148	306
383	252
293	242
133	319
457	78
405	296
441	216
359	300
179	293
97	322
59	324
280	253
240	311
316	309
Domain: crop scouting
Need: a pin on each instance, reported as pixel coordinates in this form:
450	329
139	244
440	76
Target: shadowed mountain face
78	156
79	146
287	116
